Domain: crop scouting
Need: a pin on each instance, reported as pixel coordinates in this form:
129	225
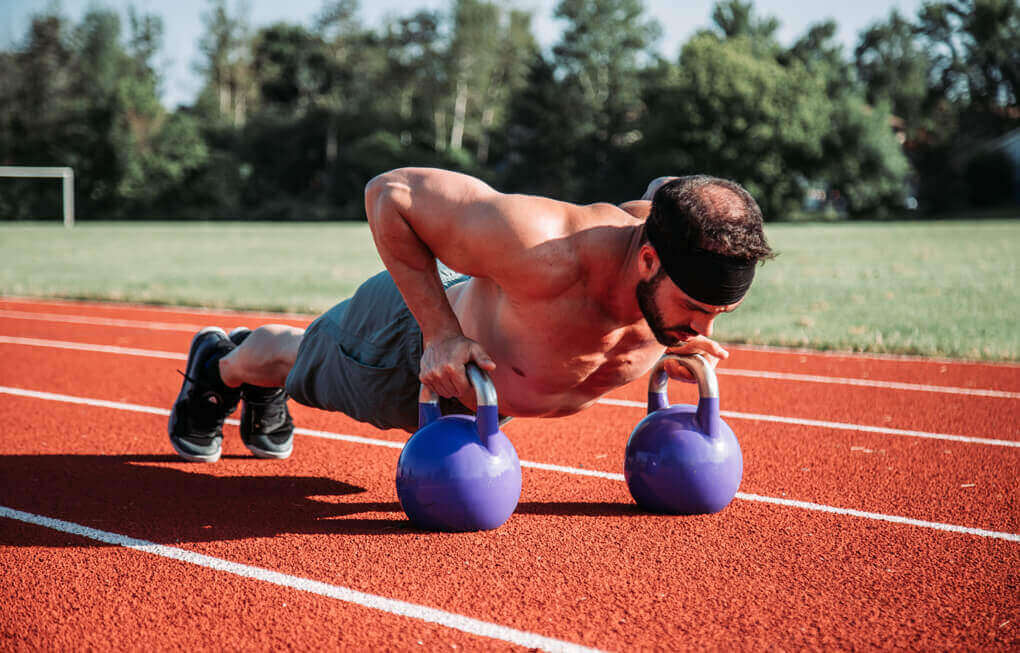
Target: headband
710	278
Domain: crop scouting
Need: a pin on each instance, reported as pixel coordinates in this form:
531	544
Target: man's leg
263	358
221	370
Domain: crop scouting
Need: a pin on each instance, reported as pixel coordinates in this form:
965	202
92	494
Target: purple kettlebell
457	472
683	460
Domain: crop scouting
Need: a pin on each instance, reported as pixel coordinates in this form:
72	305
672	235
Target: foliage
293	119
951	75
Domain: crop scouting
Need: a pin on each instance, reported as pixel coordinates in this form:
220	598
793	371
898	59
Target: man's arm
418	215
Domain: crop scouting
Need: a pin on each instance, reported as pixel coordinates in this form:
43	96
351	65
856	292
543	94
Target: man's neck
616	283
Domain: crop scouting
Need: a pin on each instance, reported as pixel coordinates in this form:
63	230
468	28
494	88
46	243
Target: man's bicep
470	226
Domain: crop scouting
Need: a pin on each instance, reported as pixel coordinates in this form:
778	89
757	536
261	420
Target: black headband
710	278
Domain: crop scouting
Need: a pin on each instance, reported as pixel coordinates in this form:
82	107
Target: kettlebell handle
487	414
708	388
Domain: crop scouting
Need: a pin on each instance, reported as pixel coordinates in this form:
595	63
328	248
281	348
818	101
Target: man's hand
711	350
443	364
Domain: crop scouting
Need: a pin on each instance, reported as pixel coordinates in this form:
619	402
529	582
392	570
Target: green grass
947	288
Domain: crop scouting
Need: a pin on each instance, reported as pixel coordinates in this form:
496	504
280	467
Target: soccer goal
64	173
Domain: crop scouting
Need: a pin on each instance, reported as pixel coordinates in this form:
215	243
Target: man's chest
555	357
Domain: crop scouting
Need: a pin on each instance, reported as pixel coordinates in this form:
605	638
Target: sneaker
196	420
266	426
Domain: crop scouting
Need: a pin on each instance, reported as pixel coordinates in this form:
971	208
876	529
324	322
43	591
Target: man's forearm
408	259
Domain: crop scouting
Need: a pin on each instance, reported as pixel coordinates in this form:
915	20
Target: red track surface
578	562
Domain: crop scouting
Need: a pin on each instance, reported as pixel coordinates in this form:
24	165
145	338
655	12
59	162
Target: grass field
947	288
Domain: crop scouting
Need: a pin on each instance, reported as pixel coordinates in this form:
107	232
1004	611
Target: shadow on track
581	509
140	497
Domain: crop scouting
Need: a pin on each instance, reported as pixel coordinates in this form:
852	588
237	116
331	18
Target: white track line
869	383
345	594
100	321
190	328
782	376
806	505
127	351
842	426
893	358
82	346
243	314
158	308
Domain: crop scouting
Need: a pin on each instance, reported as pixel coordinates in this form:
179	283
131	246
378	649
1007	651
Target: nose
703	325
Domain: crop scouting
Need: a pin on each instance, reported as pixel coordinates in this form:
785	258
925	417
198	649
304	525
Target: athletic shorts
362	358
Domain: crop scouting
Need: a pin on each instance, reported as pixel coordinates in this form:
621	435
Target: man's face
673	316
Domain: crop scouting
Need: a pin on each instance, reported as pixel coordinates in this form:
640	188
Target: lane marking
128	351
892	358
81	346
340	593
155	308
789	376
893	385
896	519
805	505
842	426
243	314
100	321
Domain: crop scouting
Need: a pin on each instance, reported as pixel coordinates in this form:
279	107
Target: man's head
707	234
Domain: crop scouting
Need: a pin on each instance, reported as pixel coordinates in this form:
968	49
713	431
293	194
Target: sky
182	22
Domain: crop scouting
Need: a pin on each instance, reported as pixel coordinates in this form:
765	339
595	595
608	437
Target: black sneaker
266	427
196	420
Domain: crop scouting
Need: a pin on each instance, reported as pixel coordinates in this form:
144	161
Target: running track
879	509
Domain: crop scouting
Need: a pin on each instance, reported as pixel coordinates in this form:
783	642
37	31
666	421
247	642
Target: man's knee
266	355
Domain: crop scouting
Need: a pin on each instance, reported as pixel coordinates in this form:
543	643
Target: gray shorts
362	357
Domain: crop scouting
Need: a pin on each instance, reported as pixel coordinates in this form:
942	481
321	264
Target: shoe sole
190	371
269	455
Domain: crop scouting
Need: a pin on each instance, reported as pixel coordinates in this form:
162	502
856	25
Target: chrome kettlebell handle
486	415
708	386
708	389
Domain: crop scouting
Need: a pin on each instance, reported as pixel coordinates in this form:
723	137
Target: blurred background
283	110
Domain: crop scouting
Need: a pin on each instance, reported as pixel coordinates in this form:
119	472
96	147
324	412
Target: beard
645	293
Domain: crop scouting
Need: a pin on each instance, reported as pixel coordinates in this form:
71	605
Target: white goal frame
63	173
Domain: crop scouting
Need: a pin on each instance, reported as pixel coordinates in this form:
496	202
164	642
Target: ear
648	262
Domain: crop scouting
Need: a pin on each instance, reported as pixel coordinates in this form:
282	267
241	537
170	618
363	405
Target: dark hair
711	214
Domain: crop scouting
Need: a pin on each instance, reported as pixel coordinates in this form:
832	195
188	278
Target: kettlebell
457	472
683	460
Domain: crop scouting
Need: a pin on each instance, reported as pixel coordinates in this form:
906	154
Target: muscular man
558	303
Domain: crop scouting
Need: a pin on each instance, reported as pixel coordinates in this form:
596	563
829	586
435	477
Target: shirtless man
558	303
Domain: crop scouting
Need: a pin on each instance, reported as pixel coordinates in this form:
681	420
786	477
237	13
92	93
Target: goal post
64	173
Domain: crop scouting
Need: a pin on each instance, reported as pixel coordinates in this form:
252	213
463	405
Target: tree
542	136
36	110
737	19
599	59
894	68
726	111
861	158
227	91
975	48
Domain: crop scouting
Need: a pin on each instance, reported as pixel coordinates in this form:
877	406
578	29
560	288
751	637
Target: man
558	303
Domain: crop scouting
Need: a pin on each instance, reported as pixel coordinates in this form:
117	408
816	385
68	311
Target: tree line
293	119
